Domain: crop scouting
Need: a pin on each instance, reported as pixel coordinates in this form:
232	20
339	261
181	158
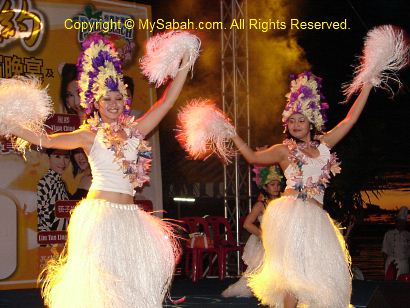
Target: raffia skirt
116	256
305	256
252	257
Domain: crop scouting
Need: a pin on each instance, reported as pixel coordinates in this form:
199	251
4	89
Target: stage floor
206	293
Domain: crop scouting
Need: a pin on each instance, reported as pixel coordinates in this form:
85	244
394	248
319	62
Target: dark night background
375	154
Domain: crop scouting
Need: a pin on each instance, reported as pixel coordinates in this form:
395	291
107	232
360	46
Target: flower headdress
99	69
305	97
267	174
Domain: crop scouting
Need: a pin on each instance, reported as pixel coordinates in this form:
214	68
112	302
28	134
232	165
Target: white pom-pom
204	129
23	103
164	53
385	52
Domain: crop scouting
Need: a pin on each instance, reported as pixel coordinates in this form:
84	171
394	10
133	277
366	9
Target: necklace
115	137
298	159
304	145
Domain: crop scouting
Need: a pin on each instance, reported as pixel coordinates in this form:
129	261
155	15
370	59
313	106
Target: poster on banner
40	38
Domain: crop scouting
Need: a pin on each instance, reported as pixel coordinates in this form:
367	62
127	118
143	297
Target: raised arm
80	138
333	136
275	154
157	111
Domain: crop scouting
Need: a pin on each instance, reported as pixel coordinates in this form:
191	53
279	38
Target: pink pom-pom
204	129
23	104
385	52
164	53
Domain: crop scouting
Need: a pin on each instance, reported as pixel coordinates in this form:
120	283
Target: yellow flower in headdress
100	71
305	97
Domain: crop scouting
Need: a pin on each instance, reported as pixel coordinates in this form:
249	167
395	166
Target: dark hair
76	168
68	74
130	84
50	151
263	191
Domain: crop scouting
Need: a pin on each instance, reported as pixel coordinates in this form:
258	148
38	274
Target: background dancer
269	180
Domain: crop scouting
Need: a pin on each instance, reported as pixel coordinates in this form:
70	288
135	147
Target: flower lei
113	137
297	159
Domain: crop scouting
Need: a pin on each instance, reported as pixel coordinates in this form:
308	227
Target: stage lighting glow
181	199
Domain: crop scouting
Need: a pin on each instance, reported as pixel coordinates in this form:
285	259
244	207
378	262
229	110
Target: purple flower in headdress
307	92
313	105
99	60
306	98
111	84
293	96
308	74
257	179
324	106
89	95
93	74
93	84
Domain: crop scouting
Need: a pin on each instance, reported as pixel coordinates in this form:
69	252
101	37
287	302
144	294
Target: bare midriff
110	196
292	192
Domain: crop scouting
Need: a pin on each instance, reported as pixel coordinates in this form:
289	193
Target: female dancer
269	180
117	255
306	261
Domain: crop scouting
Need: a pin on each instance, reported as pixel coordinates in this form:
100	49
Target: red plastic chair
224	241
197	224
404	277
391	273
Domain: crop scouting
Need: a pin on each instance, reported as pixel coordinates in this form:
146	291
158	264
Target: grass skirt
252	257
305	255
116	256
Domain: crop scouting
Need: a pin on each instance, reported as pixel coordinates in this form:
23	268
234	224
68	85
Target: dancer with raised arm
306	262
117	255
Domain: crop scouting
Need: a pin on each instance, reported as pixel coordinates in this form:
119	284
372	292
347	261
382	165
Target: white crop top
311	180
107	174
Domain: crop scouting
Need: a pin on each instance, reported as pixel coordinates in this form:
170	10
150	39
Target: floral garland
114	138
297	159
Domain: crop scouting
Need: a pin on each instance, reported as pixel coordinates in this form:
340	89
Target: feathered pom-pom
385	52
204	129
164	53
23	103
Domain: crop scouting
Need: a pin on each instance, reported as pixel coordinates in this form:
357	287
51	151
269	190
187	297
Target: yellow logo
24	23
